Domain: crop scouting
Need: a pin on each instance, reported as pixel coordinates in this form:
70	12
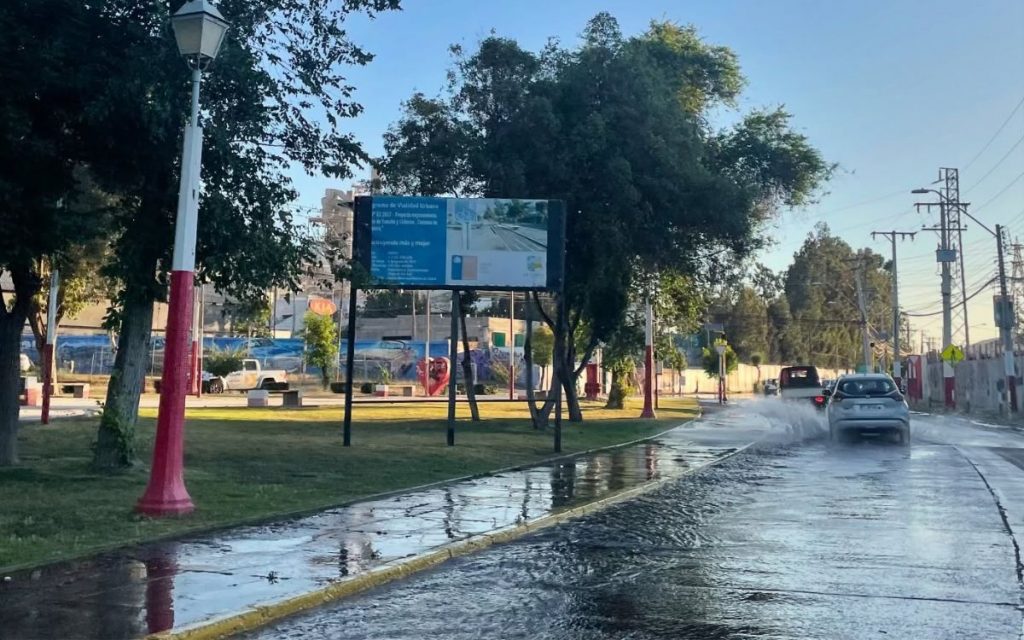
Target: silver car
868	404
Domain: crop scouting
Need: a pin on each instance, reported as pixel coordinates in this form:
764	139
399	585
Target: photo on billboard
495	243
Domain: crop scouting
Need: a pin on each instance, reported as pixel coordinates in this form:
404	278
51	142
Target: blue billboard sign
477	243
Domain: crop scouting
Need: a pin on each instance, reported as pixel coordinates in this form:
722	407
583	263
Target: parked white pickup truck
802	384
250	376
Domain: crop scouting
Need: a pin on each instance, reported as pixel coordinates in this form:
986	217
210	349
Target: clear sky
889	89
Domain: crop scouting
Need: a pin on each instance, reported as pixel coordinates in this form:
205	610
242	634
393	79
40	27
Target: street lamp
199	31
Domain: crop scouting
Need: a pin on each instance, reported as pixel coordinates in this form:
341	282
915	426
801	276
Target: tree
616	128
542	350
391	303
747	325
711	361
822	300
321	337
249	318
275	98
221	362
44	109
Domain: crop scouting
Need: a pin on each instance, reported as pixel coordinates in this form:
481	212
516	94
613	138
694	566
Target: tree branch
543	314
588	352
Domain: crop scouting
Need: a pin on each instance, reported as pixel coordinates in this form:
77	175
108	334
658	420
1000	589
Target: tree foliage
321	336
617	127
275	98
711	361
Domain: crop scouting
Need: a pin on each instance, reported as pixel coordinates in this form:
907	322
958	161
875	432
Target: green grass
250	464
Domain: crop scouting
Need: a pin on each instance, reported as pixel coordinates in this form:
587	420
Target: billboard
460	243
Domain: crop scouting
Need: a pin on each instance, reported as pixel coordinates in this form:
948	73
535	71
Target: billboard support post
350	364
512	345
453	354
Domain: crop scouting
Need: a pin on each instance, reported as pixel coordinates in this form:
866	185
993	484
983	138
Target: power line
979	291
1001	192
996	165
996	134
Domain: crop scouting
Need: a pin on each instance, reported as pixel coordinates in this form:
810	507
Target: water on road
788	540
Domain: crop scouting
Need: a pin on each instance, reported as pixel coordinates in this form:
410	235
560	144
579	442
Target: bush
499	372
221	362
366	387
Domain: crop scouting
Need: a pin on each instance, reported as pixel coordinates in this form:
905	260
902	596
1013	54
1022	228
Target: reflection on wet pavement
864	541
155	587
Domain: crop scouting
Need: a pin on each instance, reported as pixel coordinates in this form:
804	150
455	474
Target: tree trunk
12	321
11	324
564	366
538	415
115	439
618	391
467	364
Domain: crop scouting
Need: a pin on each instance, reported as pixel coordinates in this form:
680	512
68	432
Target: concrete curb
261	615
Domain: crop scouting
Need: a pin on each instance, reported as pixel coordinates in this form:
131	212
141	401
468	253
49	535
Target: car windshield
867	387
800	377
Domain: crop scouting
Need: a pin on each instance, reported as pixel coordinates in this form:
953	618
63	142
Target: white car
867	404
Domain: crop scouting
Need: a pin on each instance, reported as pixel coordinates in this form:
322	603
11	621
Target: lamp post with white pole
199	31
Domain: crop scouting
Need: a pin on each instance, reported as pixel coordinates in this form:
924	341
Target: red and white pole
166	494
51	339
648	411
194	383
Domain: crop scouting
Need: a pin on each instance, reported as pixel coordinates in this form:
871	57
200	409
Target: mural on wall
94	355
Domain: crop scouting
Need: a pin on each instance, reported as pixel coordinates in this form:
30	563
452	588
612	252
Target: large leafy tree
44	107
822	299
275	98
618	128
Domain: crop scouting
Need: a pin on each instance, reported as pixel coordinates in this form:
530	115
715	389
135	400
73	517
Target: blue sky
891	90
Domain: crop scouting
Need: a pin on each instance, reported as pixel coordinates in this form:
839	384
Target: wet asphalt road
867	540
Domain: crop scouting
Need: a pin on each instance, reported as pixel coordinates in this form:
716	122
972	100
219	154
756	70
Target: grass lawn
249	464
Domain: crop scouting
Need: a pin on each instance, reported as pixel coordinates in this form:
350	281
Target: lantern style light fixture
199	30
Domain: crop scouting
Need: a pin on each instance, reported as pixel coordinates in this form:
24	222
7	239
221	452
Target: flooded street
790	539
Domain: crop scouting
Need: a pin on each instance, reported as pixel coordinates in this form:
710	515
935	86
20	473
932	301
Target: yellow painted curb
261	615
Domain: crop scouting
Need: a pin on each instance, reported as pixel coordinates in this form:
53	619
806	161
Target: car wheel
904	437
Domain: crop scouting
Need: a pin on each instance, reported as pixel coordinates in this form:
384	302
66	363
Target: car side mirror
827	393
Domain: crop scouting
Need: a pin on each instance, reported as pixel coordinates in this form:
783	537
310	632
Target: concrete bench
76	389
258	398
291	398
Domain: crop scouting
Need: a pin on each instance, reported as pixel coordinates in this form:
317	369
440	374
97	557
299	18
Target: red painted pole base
648	411
165	494
950	387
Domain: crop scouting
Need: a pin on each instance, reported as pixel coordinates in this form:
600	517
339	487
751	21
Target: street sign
952	354
322	306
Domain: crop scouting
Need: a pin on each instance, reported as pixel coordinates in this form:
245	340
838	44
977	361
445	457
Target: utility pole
1005	320
891	236
858	275
945	256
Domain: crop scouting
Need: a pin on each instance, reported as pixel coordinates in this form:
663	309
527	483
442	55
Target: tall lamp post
199	31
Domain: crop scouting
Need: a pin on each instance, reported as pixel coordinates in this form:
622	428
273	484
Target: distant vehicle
394	355
24	363
868	404
250	376
802	384
771	387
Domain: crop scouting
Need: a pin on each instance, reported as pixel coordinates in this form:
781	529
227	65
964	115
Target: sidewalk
208	585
